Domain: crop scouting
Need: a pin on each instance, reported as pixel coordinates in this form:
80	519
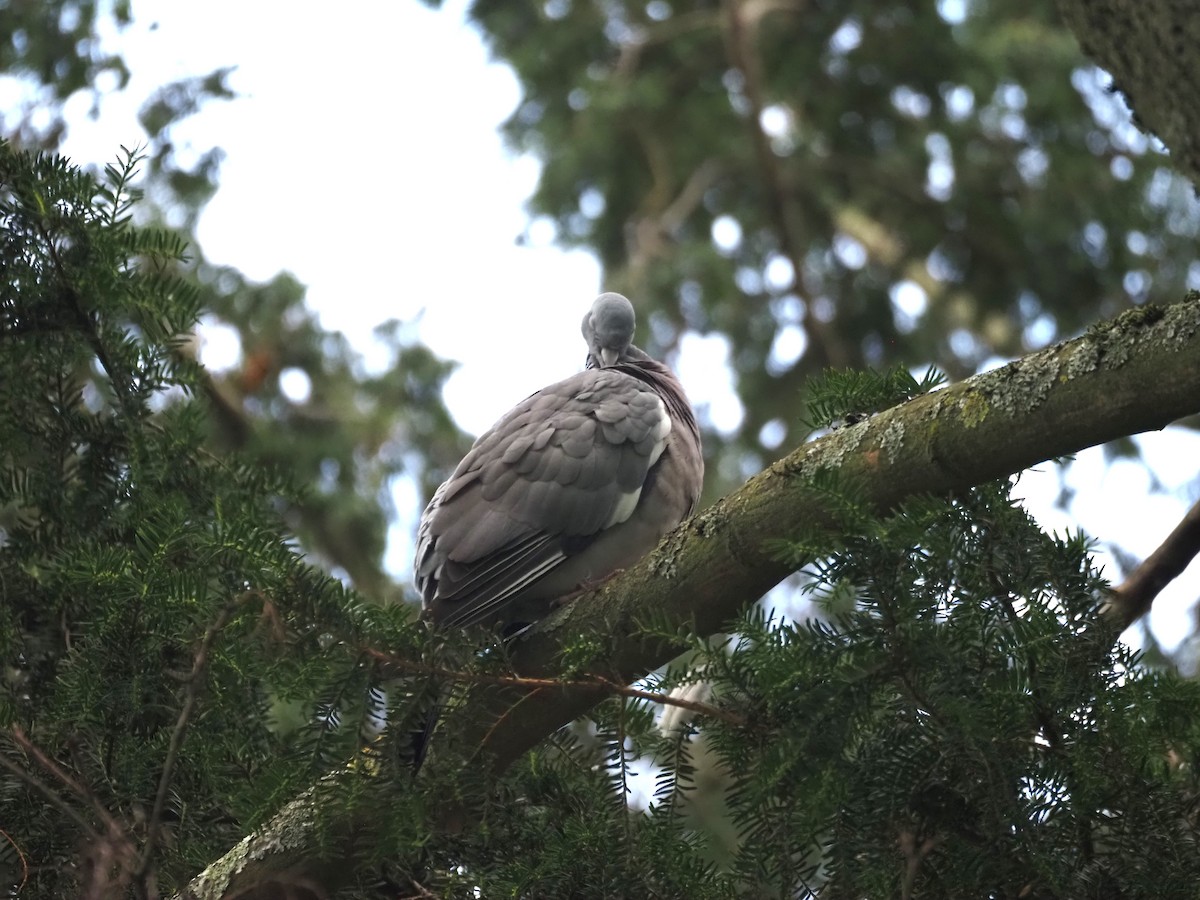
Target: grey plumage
578	480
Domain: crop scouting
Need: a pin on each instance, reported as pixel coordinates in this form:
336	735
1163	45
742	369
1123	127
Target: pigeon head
608	330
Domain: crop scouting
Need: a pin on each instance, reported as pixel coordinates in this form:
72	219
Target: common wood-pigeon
575	482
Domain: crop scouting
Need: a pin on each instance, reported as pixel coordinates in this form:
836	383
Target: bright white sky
438	237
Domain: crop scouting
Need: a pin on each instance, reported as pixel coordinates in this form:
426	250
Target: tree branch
606	686
1132	600
1135	374
1149	48
112	854
191	696
742	21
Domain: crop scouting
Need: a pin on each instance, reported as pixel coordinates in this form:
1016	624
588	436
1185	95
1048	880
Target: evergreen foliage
157	621
959	722
840	394
956	722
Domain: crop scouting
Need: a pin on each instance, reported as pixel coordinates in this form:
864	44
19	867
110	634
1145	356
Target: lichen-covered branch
1138	373
1135	374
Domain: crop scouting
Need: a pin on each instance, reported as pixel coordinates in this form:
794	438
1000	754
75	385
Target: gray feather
577	480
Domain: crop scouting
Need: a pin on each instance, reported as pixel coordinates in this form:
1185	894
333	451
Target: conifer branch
42	788
52	768
599	683
86	323
191	696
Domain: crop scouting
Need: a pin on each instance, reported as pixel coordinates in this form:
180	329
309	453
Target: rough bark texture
1136	374
1150	49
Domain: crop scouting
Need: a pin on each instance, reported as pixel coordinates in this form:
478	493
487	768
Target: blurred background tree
344	432
799	184
792	185
839	184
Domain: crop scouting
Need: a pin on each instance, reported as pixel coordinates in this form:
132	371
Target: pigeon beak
609	357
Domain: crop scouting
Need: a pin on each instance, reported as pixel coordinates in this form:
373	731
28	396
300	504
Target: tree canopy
872	189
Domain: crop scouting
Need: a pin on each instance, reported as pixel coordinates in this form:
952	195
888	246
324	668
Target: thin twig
1133	599
659	33
113	847
117	845
591	682
648	236
49	794
190	698
21	856
696	706
914	855
49	765
423	893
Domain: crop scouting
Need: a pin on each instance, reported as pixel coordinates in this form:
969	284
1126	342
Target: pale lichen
1180	323
664	562
892	439
286	836
837	446
1083	359
1023	386
973	408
